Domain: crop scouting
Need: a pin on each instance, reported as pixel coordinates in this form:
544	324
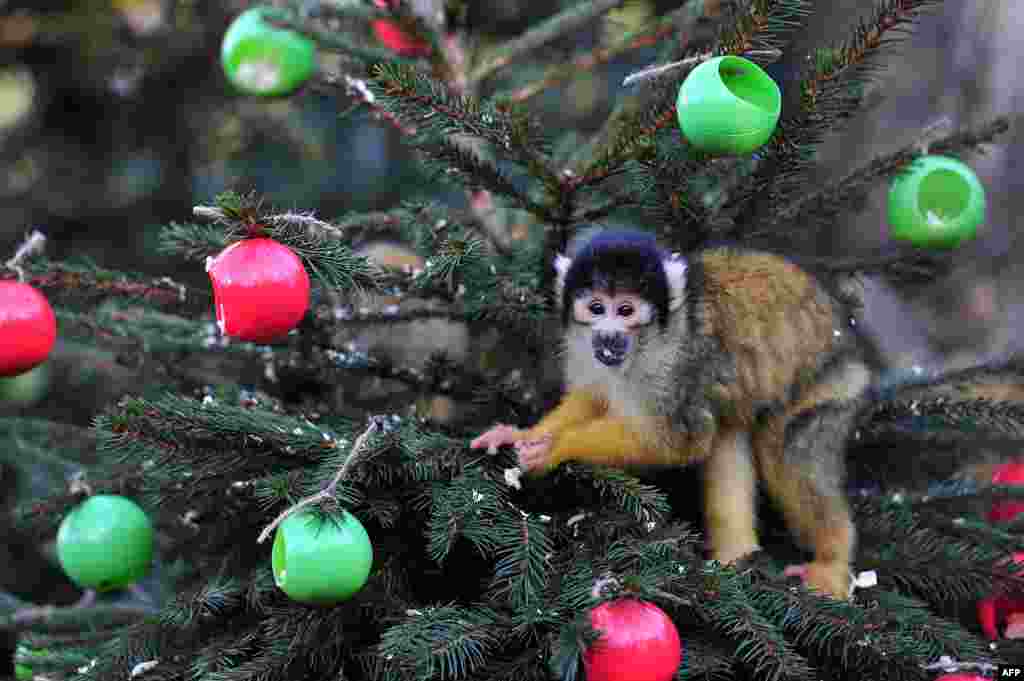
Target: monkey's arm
579	406
607	440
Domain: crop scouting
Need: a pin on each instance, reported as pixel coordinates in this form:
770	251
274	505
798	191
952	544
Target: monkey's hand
497	436
535	454
831	578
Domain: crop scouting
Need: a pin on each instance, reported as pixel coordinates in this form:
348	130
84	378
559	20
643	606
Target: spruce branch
467	506
447	641
439	113
564	23
522	547
759	33
724	603
820	207
83	283
645	503
830	91
555	75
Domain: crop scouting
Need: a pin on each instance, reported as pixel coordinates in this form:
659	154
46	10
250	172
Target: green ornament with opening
320	559
105	543
937	202
728	106
261	59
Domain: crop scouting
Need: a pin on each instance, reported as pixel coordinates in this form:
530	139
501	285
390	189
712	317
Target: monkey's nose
610	350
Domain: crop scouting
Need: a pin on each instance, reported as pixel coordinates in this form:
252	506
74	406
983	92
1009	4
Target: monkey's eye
626	310
596	308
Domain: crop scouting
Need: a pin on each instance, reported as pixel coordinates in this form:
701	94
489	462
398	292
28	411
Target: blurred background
115	118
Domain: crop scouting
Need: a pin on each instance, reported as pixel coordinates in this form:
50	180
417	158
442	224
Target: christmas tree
310	495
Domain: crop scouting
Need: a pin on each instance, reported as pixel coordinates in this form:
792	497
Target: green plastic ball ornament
105	543
261	59
728	105
321	560
937	202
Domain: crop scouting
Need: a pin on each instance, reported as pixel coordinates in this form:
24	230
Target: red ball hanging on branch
260	289
28	328
1003	612
392	36
1007	474
638	643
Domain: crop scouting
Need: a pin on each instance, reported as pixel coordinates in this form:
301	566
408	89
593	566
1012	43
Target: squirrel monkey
736	359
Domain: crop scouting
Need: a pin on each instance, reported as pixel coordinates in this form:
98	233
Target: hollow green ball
105	543
261	59
937	202
321	560
728	105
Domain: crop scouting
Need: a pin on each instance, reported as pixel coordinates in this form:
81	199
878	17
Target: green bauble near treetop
105	543
728	105
261	59
937	202
321	559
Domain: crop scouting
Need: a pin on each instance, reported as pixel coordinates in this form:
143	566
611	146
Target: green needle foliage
478	574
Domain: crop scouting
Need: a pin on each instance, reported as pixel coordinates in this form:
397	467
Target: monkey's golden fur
757	374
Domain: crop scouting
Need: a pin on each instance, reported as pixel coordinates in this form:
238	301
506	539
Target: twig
949	665
327	492
934	132
33	243
661	69
36	613
307	220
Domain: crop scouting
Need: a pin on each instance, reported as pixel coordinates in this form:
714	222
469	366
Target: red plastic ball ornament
1002	611
638	643
28	328
391	35
260	290
962	676
1007	474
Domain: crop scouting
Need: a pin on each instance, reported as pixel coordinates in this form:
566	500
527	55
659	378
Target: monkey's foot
534	453
831	579
497	436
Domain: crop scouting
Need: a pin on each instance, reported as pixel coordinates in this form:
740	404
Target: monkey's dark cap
619	260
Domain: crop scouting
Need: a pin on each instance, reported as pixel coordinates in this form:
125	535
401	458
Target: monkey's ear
562	264
675	270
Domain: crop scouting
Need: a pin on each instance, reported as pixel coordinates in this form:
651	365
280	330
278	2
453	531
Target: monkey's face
615	322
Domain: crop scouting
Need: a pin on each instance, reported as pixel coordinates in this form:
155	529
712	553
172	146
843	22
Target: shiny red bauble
638	643
1001	611
962	676
28	328
391	35
260	290
1007	474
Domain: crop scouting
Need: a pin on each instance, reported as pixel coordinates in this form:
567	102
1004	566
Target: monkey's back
782	331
